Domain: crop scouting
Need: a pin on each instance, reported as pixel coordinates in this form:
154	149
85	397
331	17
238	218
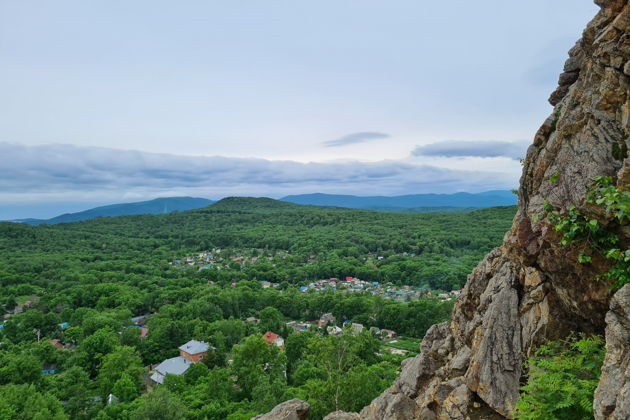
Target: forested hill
156	206
431	249
88	305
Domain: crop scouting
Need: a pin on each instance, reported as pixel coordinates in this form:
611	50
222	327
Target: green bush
562	379
592	234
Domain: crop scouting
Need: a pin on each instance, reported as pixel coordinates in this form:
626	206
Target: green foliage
615	201
86	280
159	405
19	369
125	388
562	379
24	402
123	363
256	362
595	236
271	319
95	348
73	387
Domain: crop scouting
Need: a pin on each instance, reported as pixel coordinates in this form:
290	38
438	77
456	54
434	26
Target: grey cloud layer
355	138
73	172
513	150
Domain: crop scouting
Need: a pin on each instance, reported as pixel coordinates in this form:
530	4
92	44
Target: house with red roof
273	339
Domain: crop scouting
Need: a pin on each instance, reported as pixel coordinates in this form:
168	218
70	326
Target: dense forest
70	349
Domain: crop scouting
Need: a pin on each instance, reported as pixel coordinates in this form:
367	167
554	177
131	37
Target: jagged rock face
612	397
289	410
531	289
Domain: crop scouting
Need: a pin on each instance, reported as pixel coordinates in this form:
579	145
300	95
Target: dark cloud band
73	172
513	150
356	138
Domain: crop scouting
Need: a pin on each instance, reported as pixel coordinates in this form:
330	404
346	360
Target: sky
117	101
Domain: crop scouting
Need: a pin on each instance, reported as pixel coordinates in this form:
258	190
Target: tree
295	346
95	347
195	373
159	404
256	361
19	369
72	387
271	319
122	362
73	335
334	356
125	388
25	403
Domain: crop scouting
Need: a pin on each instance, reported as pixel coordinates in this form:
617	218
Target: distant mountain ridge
155	206
416	203
407	203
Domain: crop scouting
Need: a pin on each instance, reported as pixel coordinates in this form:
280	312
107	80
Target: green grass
412	345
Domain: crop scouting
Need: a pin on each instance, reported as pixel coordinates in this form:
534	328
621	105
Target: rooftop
194	347
270	337
175	366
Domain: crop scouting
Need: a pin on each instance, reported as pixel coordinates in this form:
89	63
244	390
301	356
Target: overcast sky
118	100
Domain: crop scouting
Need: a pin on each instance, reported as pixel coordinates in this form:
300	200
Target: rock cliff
531	289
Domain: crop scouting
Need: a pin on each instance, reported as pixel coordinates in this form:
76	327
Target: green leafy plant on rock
595	237
562	379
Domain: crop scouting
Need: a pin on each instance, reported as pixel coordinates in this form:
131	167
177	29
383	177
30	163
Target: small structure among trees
192	352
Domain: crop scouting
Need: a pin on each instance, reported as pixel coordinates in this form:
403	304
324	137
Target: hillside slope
532	289
156	206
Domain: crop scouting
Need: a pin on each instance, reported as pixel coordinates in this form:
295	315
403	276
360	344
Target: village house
190	353
299	326
273	339
252	320
326	319
56	344
356	328
388	333
334	330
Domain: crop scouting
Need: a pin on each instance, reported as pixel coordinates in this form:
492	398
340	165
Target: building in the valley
273	338
334	330
299	326
195	351
56	343
326	319
388	333
356	328
190	353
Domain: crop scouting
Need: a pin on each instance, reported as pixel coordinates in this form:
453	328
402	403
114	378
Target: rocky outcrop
612	398
289	410
340	415
531	289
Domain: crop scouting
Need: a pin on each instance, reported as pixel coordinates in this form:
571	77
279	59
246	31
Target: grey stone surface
290	410
612	397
